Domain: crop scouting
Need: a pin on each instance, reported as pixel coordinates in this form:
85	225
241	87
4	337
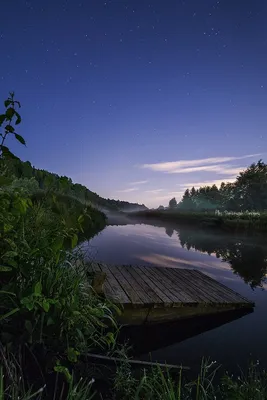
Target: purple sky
137	99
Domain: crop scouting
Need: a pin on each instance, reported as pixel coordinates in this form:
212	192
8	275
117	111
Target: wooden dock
160	294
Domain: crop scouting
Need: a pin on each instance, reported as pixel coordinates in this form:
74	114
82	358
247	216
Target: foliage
63	185
47	304
7	120
165	384
173	203
247	193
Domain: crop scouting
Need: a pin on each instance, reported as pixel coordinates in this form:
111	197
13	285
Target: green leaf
7	103
50	321
4	268
28	303
72	354
63	370
2	118
9	314
81	219
74	240
46	305
18	120
58	243
20	139
38	289
10	112
10	254
9	128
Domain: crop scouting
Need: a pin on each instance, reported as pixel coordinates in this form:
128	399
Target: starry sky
138	99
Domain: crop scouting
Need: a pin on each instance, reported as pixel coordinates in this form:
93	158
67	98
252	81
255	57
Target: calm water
238	262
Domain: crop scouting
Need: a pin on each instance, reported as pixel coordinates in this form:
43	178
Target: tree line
62	184
247	193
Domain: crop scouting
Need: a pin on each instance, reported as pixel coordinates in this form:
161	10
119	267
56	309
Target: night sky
138	99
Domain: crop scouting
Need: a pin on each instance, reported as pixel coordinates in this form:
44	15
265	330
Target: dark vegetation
247	193
241	205
50	316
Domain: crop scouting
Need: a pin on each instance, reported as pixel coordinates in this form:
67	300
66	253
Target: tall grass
163	384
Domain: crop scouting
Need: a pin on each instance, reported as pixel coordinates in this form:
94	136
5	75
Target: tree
173	203
251	187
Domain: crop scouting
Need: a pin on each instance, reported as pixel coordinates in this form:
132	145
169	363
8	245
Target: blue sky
138	99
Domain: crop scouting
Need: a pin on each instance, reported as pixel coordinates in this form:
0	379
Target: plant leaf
3	268
74	240
18	120
7	103
38	289
9	128
2	118
9	314
10	112
20	139
46	305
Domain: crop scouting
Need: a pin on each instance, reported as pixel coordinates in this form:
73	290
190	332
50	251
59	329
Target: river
239	262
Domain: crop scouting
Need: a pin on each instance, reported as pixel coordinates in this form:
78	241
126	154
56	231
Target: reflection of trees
169	231
247	259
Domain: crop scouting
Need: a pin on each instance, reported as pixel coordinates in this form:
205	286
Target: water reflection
247	258
239	262
246	255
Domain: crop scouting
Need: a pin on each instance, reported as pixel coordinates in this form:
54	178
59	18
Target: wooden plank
165	299
131	293
159	283
182	283
212	290
229	293
193	286
108	289
180	289
135	286
145	288
95	267
117	289
168	287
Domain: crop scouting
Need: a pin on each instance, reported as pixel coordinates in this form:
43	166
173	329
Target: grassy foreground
228	221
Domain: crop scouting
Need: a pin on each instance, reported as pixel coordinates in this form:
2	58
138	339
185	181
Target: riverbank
232	222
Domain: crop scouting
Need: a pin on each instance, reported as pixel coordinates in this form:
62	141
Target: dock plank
130	291
194	286
141	286
164	299
152	294
228	293
157	280
120	296
183	287
169	288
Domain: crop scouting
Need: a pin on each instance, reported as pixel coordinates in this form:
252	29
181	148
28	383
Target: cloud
138	183
128	190
218	169
154	191
185	166
216	182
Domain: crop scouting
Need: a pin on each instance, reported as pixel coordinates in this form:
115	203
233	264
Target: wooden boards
159	293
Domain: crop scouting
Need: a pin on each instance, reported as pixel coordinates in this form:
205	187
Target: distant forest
62	184
247	193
